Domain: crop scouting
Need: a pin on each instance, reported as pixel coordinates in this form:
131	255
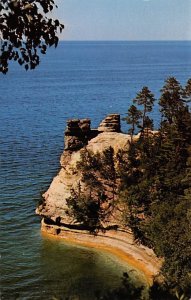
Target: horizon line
63	40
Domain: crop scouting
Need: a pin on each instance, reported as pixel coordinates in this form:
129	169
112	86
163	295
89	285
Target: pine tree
158	188
146	99
187	91
93	204
171	100
133	119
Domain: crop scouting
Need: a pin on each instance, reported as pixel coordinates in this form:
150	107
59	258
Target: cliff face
55	220
78	135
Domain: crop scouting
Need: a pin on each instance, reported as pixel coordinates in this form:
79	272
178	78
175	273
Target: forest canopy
152	179
26	30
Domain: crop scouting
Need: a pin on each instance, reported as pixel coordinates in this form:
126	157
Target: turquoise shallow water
79	79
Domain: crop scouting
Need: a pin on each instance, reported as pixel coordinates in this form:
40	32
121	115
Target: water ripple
81	80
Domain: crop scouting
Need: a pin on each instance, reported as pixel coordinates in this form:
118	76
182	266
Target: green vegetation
157	187
152	180
93	204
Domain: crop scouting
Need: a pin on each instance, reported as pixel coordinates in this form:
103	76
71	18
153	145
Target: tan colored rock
117	242
109	139
54	207
69	177
110	124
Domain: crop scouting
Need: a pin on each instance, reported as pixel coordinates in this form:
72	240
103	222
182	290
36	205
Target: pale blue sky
125	19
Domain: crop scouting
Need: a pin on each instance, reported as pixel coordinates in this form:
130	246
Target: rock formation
54	208
78	132
110	124
78	135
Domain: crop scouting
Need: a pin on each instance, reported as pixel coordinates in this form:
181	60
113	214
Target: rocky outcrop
79	132
110	124
78	135
54	208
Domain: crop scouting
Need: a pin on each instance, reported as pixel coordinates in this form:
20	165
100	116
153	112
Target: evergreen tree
85	208
93	205
171	100
187	91
157	189
133	119
154	176
146	99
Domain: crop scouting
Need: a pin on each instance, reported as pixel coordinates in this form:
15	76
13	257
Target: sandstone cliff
77	136
56	221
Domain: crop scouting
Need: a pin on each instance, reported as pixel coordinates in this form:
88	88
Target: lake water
77	80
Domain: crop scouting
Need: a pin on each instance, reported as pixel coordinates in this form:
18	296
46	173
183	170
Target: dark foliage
86	209
26	31
133	118
146	100
157	188
95	203
152	180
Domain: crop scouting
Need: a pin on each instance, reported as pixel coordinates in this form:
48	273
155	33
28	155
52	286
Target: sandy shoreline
118	243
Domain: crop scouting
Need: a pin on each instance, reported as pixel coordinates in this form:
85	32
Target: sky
125	19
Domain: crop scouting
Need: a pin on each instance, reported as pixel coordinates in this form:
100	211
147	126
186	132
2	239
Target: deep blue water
78	79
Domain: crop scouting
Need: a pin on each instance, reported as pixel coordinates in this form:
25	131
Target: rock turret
110	124
78	132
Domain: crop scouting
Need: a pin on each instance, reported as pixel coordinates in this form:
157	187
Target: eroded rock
78	135
110	124
57	221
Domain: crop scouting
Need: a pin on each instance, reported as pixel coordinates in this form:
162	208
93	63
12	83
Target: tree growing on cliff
26	31
157	189
94	204
145	99
171	100
187	91
133	119
85	208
